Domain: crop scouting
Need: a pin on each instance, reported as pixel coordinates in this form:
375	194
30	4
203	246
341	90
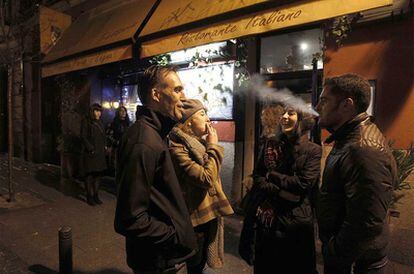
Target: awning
102	35
173	14
289	15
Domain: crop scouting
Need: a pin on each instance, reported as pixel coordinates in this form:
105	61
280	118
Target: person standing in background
94	143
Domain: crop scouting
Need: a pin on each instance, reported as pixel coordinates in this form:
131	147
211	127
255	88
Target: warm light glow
115	104
304	46
106	105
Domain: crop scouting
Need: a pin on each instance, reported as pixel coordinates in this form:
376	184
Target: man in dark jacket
357	182
151	212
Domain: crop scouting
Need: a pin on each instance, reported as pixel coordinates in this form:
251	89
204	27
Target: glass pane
290	52
212	85
131	100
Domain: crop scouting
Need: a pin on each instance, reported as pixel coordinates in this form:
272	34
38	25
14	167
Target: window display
213	85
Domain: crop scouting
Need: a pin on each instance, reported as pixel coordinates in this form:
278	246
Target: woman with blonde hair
197	163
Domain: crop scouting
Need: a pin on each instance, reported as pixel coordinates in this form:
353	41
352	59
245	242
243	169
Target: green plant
340	27
161	60
405	164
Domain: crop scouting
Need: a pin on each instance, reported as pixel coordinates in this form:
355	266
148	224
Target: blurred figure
93	139
115	131
278	234
197	164
357	182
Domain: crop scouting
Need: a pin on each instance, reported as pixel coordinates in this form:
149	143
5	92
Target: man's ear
349	104
155	95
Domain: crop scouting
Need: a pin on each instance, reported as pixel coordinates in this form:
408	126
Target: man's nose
285	115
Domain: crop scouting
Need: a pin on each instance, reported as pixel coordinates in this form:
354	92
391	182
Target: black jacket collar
342	132
156	120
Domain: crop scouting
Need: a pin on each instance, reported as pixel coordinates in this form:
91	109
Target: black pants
359	267
290	252
335	269
205	235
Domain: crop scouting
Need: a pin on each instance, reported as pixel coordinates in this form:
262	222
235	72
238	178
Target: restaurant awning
100	36
185	11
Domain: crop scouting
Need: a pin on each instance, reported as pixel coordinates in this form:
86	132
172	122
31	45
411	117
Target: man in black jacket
357	182
151	212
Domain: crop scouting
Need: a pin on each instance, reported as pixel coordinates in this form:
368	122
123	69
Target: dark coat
93	140
355	194
288	187
151	211
115	131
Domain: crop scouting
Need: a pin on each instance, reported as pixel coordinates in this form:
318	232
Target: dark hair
92	108
351	86
152	77
305	123
96	106
118	117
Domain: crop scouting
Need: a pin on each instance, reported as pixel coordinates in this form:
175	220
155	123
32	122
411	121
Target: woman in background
115	131
94	140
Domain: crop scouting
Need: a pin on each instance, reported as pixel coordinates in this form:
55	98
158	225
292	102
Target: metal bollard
65	250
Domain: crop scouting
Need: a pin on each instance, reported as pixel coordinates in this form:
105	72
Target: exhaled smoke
272	95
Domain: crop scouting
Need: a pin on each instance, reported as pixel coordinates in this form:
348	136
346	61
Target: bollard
65	250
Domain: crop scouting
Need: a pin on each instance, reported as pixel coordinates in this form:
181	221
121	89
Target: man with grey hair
151	212
357	182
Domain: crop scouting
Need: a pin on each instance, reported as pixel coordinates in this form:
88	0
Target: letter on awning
293	14
102	35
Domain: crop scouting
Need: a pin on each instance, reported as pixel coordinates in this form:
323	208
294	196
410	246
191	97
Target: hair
186	126
152	77
94	107
305	123
117	115
351	86
270	118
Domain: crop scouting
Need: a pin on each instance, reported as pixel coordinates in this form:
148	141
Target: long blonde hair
270	119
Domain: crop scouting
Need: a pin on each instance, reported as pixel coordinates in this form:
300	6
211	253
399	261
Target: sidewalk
29	228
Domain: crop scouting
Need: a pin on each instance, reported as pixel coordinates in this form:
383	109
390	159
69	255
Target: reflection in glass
290	52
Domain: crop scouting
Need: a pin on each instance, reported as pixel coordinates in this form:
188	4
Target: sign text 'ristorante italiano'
261	22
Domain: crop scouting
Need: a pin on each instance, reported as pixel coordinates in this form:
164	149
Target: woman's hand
212	137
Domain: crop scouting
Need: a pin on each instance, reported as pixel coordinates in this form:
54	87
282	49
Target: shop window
213	85
291	52
210	51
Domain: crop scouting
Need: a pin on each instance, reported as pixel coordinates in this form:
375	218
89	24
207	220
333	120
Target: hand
212	137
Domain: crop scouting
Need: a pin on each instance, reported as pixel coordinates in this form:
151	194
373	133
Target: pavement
45	203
